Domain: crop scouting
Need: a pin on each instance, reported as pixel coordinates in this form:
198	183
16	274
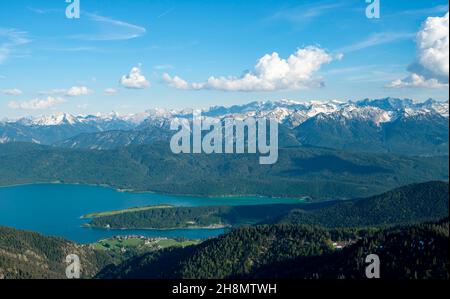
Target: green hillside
411	252
318	173
326	240
412	203
29	255
409	204
296	251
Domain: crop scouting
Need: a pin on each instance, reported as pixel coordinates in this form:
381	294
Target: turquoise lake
55	210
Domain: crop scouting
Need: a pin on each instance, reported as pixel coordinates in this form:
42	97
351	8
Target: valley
352	178
410	234
317	173
405	205
224	148
57	210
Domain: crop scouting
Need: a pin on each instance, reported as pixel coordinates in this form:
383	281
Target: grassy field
120	244
174	243
115	243
123	211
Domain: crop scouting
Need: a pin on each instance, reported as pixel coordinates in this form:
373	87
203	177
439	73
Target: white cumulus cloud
77	91
431	68
12	92
74	91
175	82
415	80
270	73
135	79
36	104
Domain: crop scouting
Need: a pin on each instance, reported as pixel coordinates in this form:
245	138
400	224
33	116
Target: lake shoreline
305	199
95	215
210	227
54	208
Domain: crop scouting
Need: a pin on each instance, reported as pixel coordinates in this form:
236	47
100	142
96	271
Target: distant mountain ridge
280	110
382	125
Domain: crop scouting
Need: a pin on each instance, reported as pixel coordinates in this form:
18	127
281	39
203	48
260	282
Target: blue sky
81	63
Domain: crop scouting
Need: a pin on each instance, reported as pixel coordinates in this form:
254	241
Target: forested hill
302	171
29	255
295	251
234	253
412	203
409	204
413	252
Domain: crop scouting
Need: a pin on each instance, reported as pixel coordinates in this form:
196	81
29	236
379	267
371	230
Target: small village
132	243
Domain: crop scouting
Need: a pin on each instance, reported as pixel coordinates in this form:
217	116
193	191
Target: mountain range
387	125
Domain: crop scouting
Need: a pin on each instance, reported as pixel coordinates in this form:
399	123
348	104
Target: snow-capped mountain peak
55	120
285	111
363	124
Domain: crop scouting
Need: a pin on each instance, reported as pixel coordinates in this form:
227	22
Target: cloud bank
36	104
270	73
74	91
431	68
